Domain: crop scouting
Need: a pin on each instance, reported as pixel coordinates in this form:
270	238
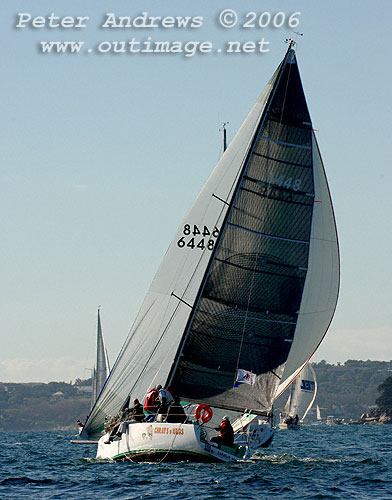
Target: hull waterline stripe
168	452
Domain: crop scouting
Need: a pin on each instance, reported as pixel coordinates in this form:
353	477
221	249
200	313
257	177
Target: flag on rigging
245	377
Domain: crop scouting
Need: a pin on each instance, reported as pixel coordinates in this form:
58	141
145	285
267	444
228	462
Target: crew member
136	412
226	434
165	397
175	412
151	402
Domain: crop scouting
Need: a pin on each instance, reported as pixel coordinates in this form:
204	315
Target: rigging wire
246	318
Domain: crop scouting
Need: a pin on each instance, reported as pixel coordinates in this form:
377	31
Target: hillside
56	405
345	390
384	401
348	390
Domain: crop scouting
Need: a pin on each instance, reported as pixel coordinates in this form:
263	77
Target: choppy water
319	462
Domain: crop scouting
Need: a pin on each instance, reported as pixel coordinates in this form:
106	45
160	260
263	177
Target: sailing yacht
102	368
243	297
303	391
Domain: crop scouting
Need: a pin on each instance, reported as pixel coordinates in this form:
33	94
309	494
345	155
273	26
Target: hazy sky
102	155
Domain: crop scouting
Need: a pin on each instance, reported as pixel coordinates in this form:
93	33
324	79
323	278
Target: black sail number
198	237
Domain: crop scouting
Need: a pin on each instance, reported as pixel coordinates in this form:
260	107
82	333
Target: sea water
316	462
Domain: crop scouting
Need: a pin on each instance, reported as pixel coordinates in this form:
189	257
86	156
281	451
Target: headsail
229	293
322	283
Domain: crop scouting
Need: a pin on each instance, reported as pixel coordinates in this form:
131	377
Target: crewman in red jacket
226	434
151	403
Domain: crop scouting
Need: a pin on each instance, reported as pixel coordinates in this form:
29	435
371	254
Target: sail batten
262	195
288	144
267	235
285	162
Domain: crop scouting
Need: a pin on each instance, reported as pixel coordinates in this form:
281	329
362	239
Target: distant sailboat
302	396
232	315
318	414
331	420
102	368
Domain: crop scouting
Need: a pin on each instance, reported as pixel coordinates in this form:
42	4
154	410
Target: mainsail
302	394
101	368
253	267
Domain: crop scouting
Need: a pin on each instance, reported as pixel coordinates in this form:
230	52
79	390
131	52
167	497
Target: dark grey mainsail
248	306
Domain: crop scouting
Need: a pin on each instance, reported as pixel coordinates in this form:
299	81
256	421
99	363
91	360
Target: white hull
160	441
289	427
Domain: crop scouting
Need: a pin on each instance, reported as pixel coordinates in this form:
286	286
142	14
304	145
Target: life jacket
150	403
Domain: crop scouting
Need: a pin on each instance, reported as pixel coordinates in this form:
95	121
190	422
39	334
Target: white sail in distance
302	394
102	368
233	290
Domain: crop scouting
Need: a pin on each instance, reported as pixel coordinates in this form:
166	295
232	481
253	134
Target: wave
24	480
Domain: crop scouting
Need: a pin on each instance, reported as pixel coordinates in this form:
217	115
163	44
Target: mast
223	129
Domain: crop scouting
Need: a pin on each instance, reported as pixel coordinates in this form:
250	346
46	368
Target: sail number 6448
195	237
282	181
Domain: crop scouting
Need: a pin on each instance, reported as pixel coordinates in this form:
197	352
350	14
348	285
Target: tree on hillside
384	401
